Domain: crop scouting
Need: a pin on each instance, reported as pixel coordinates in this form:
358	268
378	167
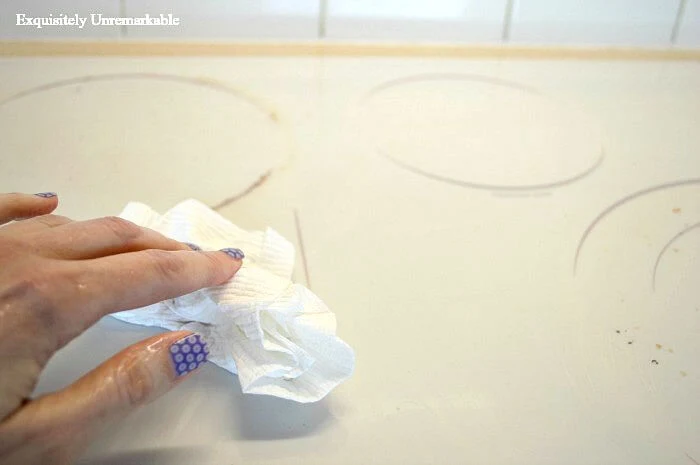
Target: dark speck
654	362
617	331
629	342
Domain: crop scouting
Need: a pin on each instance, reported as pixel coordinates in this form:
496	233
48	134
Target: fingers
39	223
57	427
61	237
136	279
101	237
20	206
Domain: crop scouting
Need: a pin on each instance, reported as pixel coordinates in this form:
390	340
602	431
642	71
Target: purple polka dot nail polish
234	253
192	246
185	354
46	195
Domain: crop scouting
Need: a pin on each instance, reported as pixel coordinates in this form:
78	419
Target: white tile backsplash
44	8
689	33
438	20
219	19
614	22
548	22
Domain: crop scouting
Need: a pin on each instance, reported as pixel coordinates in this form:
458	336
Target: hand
57	278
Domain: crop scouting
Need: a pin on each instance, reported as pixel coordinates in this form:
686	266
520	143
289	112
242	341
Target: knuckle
166	264
34	288
135	381
51	221
37	293
214	271
125	230
33	307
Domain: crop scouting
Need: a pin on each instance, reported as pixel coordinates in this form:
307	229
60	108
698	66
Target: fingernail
234	253
46	195
188	354
193	246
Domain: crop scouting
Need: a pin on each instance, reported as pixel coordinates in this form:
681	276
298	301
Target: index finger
136	279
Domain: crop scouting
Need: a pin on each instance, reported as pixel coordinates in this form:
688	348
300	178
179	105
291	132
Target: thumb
57	427
19	206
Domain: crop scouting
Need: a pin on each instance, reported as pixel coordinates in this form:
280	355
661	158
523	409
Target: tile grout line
302	250
322	15
680	14
507	20
122	13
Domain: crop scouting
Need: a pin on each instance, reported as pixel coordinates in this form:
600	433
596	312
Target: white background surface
475	340
646	23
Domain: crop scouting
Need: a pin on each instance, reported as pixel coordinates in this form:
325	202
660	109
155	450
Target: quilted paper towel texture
278	336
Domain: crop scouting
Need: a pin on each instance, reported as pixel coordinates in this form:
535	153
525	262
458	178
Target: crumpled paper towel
278	336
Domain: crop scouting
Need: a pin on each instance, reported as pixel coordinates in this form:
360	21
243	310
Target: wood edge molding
127	48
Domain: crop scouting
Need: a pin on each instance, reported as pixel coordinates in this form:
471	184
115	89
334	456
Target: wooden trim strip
338	49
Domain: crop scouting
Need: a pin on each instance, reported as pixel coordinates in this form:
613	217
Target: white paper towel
278	336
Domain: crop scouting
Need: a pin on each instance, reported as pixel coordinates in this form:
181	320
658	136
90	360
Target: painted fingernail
193	246
188	354
234	253
46	195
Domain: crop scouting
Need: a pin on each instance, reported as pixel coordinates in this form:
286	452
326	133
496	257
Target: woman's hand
57	278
